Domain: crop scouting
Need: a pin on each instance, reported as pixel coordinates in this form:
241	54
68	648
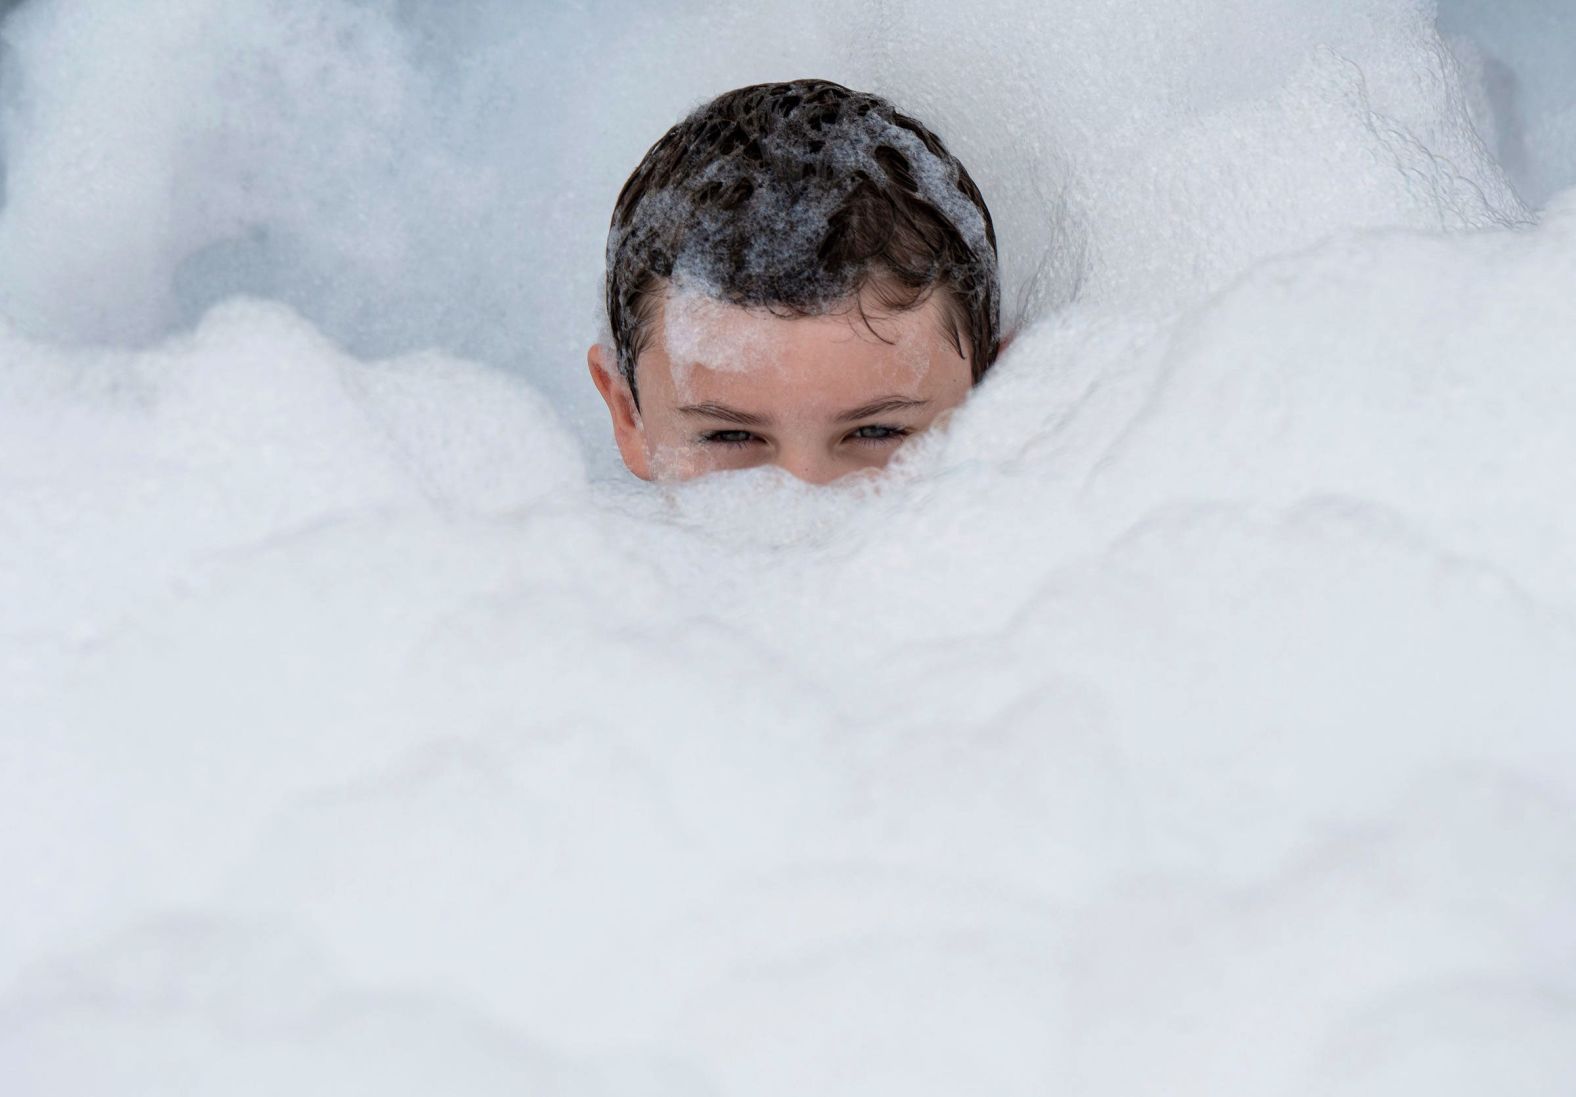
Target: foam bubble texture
1192	716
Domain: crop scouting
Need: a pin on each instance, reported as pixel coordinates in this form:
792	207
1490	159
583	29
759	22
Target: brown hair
797	197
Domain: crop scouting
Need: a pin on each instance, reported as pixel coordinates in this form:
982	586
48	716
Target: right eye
728	437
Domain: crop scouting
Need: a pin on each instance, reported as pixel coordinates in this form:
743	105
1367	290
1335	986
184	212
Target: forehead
706	350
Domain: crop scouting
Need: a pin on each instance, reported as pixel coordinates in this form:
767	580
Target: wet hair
799	197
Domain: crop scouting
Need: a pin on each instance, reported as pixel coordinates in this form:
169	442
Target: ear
628	431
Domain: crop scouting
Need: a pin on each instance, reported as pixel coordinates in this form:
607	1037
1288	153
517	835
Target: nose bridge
810	463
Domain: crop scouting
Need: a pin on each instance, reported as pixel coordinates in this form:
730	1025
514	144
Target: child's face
726	387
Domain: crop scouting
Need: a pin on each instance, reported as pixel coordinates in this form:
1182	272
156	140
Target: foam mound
1191	716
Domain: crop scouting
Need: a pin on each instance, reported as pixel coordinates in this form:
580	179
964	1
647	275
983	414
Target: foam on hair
795	196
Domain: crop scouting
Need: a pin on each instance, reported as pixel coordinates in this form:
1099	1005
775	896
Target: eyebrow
878	407
750	419
719	411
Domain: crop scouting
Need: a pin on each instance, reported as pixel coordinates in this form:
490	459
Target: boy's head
797	274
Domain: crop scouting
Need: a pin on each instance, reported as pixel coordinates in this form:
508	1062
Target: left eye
728	437
879	434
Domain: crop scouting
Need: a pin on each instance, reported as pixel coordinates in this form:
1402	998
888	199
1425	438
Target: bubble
1190	714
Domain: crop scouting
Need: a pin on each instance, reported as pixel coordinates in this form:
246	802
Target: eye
877	433
728	438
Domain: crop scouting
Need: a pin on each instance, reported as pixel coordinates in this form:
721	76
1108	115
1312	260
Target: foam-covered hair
799	197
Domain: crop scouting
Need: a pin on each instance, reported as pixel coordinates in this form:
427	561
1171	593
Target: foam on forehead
700	328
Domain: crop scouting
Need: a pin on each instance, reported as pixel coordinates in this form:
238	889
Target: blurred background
1193	715
410	174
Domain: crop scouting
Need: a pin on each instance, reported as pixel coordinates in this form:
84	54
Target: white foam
1192	715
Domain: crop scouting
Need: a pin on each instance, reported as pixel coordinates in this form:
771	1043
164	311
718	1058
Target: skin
727	387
